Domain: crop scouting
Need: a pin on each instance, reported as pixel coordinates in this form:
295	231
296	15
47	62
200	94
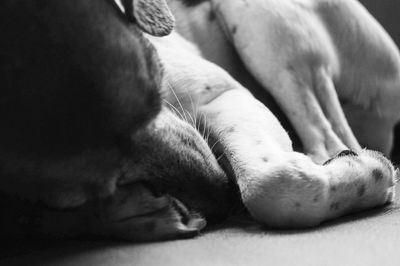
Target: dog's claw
346	153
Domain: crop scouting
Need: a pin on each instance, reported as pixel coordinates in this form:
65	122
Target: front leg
283	188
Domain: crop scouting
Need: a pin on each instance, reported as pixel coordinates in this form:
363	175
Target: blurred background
387	12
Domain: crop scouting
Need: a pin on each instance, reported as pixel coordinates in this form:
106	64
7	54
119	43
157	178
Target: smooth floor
368	238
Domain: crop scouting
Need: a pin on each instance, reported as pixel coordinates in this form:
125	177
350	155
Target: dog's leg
313	108
325	92
369	80
282	188
295	65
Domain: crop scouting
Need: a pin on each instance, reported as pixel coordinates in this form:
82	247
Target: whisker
197	124
174	109
191	118
220	157
194	110
195	117
208	133
397	176
179	102
213	146
204	126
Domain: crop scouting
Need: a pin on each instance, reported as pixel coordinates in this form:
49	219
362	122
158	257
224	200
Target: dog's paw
294	192
135	213
366	179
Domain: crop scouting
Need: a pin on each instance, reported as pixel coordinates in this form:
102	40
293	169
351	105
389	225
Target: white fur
318	50
280	187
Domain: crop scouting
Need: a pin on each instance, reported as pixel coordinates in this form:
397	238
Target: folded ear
152	16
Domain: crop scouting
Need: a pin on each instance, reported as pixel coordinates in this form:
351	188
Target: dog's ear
152	16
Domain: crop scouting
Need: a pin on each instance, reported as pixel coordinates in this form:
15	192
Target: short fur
306	55
85	145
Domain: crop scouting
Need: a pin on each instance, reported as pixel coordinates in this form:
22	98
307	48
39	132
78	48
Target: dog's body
154	188
307	39
300	61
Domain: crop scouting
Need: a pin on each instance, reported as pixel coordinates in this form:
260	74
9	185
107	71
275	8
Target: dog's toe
370	175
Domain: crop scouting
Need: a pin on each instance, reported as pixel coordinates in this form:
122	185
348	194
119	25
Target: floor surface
369	238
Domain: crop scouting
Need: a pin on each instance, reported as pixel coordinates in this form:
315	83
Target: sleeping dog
90	142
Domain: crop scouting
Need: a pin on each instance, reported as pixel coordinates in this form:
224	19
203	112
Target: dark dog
80	84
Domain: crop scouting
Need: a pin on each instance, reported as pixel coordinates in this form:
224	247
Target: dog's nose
346	153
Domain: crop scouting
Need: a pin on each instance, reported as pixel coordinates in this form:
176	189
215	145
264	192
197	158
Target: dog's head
83	128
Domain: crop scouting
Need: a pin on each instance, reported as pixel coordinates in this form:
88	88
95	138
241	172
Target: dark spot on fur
230	129
361	191
378	175
211	16
316	198
258	142
335	206
298	204
246	2
333	188
265	159
290	67
234	30
208	88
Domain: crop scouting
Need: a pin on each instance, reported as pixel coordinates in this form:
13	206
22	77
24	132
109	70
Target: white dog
331	68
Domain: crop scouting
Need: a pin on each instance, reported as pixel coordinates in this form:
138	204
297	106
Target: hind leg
311	103
294	62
